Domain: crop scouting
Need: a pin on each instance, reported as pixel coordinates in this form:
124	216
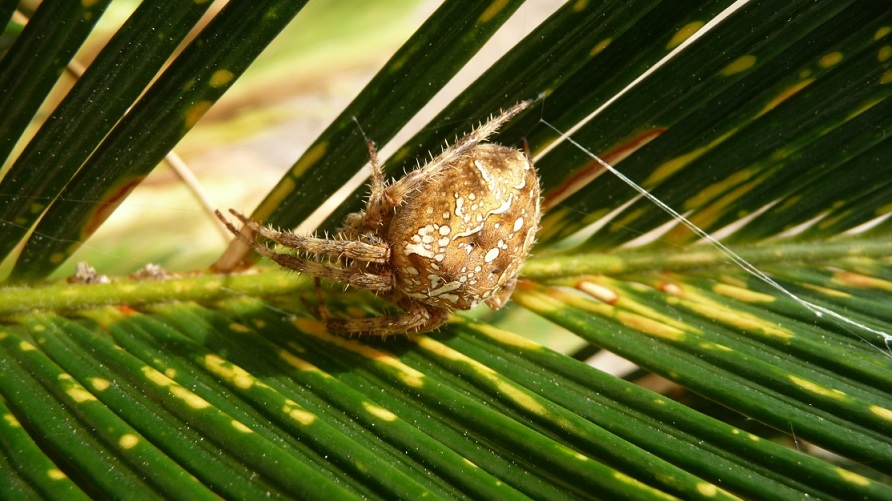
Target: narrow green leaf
296	374
671	430
440	47
41	52
84	437
125	66
27	471
714	96
573	44
664	345
169	109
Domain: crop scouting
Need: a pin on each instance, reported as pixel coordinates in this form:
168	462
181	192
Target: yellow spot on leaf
580	5
128	441
506	389
886	77
397	64
492	11
309	325
299	414
740	64
26	346
309	158
194	113
379	412
508	338
670	167
297	363
706	489
818	389
237	327
36	208
282	190
58	257
880	33
716	189
191	399
827	291
523	399
232	373
239	426
684	33
830	59
786	94
409	376
852	478
220	78
599	47
884	53
738	319
155	376
624	223
714	346
881	412
79	394
12	421
99	384
88	3
56	474
852	279
650	327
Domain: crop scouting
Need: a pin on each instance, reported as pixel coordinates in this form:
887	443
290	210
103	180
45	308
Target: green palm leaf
774	120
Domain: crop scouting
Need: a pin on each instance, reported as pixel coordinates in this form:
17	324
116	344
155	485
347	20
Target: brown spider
447	236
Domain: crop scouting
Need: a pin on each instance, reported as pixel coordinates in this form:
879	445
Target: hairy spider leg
463	147
418	318
351	249
361	280
377	204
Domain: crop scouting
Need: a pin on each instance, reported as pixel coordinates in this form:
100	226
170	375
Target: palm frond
766	126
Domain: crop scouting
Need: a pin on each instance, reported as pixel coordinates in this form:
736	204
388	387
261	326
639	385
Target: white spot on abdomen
491	255
418	249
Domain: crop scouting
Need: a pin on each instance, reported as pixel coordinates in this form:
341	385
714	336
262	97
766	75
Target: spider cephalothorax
447	236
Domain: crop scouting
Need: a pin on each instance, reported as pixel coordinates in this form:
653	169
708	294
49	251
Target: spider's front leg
351	249
375	282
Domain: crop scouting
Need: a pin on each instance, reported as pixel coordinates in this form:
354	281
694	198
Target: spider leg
321	306
377	204
418	318
359	251
412	181
362	280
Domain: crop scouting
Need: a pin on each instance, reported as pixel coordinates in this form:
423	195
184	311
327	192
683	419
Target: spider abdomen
462	237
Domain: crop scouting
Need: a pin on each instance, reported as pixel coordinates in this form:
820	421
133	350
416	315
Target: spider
447	236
